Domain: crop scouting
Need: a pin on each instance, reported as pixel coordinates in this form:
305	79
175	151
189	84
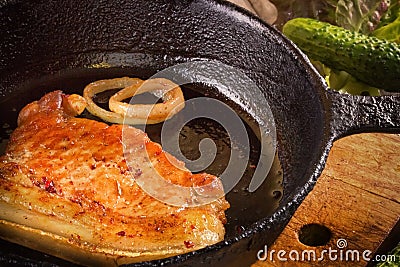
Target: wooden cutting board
355	204
357	198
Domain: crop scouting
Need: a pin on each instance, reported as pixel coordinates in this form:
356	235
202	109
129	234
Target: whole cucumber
369	59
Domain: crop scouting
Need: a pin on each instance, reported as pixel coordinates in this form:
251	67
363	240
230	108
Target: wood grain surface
356	198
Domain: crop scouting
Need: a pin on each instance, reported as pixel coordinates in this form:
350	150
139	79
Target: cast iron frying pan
56	44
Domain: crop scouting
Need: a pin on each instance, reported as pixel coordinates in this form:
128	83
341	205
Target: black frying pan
49	45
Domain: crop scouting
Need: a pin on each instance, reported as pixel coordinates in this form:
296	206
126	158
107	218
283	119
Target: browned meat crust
64	181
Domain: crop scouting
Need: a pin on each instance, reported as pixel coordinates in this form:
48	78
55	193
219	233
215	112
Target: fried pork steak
66	189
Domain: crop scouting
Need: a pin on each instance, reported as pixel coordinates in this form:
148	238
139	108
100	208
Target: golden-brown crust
73	172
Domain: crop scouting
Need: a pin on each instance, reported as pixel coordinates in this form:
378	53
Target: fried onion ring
104	85
170	93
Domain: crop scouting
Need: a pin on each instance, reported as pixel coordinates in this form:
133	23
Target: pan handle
351	114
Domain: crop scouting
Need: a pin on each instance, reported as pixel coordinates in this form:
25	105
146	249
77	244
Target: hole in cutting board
314	235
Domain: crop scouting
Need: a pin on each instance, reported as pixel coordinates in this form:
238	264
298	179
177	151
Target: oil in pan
190	136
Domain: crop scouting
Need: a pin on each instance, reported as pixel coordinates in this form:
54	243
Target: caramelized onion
170	92
104	85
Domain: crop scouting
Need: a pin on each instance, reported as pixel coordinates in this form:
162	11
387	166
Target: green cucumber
369	59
